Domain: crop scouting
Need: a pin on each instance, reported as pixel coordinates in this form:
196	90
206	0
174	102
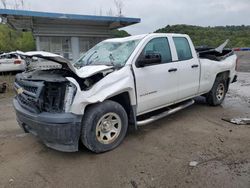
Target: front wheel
104	126
217	94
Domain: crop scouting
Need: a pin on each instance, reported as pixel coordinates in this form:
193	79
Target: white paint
209	70
88	71
115	83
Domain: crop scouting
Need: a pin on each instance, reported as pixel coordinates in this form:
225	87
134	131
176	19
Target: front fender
113	84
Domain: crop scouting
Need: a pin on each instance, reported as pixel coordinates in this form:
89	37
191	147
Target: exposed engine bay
49	90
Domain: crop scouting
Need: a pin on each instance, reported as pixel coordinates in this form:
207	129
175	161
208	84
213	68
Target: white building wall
52	36
38	43
75	47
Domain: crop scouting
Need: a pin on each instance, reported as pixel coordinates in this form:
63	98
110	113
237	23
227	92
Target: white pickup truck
118	83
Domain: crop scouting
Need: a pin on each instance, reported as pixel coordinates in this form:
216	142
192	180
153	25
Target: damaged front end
50	90
50	103
44	91
43	104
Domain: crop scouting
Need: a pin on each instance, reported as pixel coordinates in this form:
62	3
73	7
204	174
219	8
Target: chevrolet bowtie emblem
19	91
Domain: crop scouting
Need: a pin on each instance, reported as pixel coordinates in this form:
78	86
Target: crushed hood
83	72
91	70
48	56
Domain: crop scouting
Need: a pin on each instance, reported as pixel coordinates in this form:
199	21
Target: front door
157	84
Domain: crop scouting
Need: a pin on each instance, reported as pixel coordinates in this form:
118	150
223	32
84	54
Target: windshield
108	53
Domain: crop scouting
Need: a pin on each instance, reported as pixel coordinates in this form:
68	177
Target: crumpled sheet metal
115	83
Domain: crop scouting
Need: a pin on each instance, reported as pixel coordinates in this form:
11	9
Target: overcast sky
156	13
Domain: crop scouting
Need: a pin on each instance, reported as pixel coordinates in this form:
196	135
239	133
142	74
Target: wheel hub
108	128
220	92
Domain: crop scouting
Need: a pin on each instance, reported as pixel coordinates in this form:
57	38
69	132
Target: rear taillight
17	62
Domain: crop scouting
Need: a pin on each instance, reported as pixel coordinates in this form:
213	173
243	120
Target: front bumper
59	131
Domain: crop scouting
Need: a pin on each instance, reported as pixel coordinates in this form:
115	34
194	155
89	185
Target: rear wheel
217	94
104	126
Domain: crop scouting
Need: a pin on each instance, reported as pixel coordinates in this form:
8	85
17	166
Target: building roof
68	16
24	20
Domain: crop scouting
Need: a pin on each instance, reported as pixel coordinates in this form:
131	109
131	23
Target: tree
110	12
213	36
119	33
22	3
11	40
119	7
15	4
100	12
4	3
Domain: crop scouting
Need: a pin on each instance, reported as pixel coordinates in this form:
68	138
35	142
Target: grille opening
53	98
28	103
30	89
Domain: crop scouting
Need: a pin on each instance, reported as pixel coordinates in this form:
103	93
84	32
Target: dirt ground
157	155
244	61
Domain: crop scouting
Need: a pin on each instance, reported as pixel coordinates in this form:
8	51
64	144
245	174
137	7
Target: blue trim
68	16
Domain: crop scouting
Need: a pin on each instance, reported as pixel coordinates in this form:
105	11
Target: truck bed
210	53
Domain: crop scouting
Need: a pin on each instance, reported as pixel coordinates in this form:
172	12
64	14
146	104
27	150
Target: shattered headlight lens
69	96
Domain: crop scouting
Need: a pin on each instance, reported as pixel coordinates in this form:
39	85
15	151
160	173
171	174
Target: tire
104	126
218	92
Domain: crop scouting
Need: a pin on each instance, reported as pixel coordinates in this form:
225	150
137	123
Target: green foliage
11	40
213	36
119	33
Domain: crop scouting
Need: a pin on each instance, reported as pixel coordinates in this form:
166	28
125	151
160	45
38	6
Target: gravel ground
244	61
157	155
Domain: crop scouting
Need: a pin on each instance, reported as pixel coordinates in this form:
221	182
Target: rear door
157	85
188	67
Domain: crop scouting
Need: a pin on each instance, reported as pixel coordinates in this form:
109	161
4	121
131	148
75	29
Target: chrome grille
28	94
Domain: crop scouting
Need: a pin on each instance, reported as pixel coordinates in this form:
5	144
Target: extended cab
118	83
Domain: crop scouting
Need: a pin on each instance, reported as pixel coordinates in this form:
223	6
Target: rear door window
183	48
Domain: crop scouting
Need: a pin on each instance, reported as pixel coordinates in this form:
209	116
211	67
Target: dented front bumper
59	131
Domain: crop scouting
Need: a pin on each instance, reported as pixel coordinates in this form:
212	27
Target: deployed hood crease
83	72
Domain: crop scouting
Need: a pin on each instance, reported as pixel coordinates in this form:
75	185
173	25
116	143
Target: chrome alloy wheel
220	92
108	128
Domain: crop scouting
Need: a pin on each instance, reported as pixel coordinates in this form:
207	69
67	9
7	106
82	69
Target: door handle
195	66
172	70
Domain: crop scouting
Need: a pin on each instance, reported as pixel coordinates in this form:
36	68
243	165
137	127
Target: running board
166	113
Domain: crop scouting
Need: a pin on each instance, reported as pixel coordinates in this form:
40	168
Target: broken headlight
69	96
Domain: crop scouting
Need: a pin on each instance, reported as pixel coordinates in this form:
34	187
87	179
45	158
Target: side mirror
149	59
